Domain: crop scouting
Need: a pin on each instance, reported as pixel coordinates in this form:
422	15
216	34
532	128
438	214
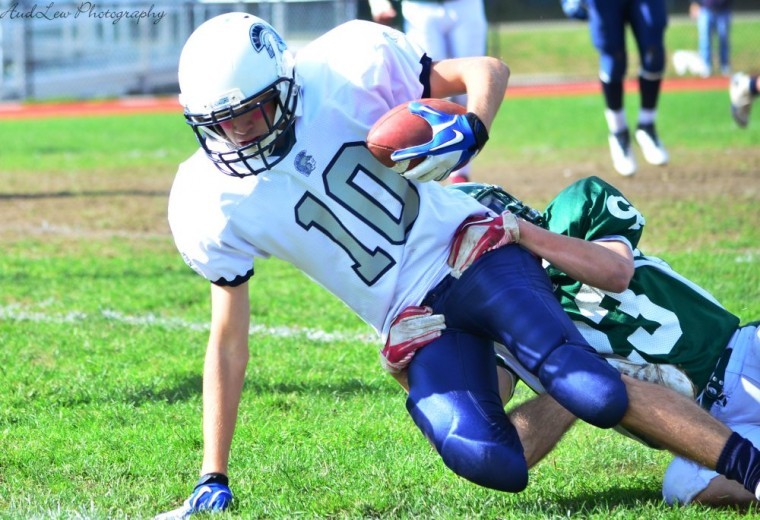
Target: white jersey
375	240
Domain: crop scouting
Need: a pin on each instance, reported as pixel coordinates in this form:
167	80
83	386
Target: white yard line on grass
17	313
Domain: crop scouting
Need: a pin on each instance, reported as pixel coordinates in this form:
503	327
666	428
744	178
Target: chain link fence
66	49
52	49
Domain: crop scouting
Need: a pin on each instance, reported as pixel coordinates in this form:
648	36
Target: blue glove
210	495
576	9
457	138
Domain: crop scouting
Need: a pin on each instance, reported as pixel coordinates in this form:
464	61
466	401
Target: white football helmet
230	65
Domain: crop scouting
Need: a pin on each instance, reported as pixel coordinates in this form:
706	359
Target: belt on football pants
714	388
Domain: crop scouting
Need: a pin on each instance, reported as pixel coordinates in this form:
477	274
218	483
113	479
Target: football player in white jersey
283	170
645	316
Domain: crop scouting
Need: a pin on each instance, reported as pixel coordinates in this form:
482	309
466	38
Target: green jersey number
619	207
641	310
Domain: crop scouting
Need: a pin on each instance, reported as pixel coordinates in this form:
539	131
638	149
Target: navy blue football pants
607	24
505	296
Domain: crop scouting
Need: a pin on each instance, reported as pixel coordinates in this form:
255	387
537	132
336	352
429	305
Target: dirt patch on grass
133	203
91	204
692	176
706	201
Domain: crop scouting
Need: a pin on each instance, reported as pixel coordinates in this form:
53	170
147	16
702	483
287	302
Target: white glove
411	330
478	235
435	167
379	6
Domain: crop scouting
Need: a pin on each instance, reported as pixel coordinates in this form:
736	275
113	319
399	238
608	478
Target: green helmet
496	199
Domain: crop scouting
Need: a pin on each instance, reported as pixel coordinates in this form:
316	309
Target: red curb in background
10	111
631	85
90	108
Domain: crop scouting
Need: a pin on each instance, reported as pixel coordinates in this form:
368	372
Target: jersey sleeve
218	262
371	67
207	240
405	62
592	209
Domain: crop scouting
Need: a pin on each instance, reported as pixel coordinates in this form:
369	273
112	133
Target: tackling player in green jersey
661	317
656	318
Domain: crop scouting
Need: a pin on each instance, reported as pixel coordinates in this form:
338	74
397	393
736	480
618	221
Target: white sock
647	116
615	120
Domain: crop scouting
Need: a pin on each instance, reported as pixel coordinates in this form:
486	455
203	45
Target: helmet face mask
231	66
254	157
498	200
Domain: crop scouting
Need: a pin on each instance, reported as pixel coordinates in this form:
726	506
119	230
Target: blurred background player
713	17
743	92
444	29
386	12
607	22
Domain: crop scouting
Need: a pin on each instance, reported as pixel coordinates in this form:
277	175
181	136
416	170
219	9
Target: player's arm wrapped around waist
416	326
478	235
412	329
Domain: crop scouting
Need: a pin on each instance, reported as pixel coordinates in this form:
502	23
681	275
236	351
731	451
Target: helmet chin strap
297	94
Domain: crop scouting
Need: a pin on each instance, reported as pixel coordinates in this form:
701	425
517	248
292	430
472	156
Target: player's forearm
485	90
223	377
587	262
224	372
484	79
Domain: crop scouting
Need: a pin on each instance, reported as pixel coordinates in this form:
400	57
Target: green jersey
662	317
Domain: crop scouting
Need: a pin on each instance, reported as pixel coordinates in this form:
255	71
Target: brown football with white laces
398	129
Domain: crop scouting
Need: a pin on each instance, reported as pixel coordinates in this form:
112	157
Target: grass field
103	329
563	48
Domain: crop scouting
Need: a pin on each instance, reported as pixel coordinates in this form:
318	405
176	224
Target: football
398	128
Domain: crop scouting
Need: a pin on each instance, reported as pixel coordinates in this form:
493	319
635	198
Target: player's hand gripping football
478	235
412	329
457	138
210	495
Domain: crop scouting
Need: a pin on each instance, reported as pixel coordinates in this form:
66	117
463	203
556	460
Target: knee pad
581	381
484	450
454	400
612	66
652	62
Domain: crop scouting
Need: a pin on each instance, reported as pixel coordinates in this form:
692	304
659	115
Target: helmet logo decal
304	163
260	41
